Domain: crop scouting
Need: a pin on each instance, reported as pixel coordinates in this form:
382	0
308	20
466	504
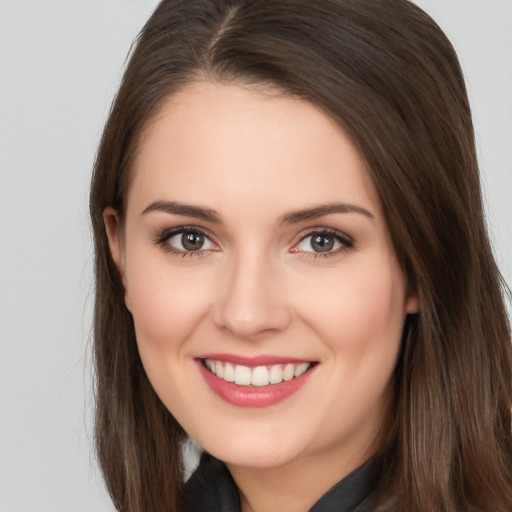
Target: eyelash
163	238
163	241
344	240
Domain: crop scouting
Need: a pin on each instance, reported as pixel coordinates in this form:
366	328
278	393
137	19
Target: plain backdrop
60	63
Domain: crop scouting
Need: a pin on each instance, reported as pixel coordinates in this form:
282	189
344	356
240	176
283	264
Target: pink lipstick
254	382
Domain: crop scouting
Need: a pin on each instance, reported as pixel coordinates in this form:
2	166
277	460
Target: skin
258	287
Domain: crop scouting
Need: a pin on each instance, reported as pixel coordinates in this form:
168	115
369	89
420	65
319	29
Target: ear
412	304
111	220
114	235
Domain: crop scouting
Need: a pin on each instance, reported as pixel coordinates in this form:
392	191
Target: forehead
234	144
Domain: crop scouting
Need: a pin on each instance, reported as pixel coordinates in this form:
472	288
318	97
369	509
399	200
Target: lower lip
245	396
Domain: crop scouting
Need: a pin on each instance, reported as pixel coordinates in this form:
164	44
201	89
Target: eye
323	243
189	241
186	241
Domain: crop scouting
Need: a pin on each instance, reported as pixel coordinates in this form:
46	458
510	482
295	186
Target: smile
256	376
254	382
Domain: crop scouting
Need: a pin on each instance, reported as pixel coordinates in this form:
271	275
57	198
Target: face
267	299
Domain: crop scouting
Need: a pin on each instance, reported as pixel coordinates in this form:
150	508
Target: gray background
60	62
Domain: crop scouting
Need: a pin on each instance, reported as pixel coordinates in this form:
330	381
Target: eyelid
169	232
164	236
345	240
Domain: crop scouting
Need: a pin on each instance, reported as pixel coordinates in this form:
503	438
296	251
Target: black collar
212	489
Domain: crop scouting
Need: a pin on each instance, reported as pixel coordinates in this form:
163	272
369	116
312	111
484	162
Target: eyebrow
294	217
186	210
321	210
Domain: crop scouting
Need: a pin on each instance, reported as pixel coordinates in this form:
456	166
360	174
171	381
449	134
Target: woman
293	269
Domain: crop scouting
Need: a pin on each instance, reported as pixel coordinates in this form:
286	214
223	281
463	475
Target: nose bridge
252	300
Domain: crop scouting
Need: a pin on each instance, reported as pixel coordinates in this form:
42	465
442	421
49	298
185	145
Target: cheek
167	305
360	309
360	321
165	302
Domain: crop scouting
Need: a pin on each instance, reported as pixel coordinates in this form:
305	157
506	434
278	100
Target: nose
253	301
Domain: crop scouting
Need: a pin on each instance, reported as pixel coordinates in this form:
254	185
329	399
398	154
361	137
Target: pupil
321	243
192	241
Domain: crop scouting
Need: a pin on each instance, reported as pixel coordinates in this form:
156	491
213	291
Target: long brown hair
389	76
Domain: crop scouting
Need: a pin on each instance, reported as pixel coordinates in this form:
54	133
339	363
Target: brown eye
192	241
322	243
186	241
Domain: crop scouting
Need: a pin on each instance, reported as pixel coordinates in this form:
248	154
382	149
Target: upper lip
253	361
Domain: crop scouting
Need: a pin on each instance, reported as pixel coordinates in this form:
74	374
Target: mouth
256	376
254	382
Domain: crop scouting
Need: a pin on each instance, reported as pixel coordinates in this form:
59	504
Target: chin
253	456
264	450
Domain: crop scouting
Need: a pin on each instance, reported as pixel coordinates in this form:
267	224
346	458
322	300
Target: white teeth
242	375
276	374
219	369
210	365
229	373
301	369
289	372
258	376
